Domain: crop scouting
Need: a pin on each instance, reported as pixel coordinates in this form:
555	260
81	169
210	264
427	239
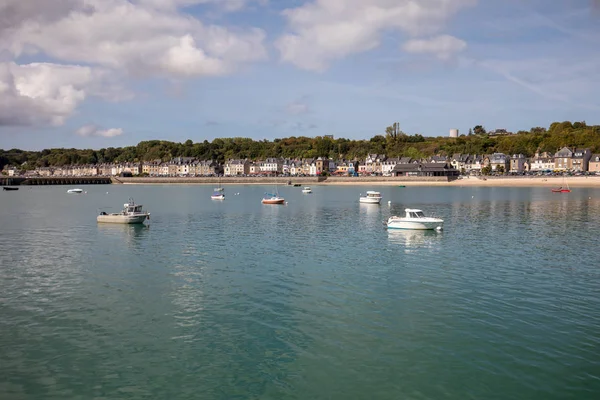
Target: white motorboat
415	219
75	191
307	189
132	214
371	197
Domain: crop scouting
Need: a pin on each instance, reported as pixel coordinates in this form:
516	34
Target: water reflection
413	239
131	234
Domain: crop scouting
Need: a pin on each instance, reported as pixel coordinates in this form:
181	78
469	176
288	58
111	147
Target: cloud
297	107
93	130
93	43
227	5
45	93
443	46
137	38
323	31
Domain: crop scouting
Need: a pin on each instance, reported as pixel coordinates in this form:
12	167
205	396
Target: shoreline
548	182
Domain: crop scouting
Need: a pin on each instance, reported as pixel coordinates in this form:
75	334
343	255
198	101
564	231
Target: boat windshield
416	214
372	194
133	209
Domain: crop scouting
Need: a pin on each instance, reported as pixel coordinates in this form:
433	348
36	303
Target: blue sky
201	69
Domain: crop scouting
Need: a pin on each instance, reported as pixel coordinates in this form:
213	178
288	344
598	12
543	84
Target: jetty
62	180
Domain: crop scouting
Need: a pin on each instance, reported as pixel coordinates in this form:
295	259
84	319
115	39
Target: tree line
392	142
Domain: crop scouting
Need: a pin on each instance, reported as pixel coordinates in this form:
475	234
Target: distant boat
415	219
218	193
401	186
271	198
371	197
307	189
9	188
562	189
132	214
297	184
75	191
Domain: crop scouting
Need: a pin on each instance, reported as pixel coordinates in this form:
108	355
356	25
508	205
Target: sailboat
563	189
271	198
218	193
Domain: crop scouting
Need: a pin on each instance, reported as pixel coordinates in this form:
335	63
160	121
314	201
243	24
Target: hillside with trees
392	142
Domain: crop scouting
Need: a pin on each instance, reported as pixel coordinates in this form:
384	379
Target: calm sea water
312	300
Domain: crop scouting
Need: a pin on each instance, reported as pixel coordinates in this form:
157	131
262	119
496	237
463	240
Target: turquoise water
312	300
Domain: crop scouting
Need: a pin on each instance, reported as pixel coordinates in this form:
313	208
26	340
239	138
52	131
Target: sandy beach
549	182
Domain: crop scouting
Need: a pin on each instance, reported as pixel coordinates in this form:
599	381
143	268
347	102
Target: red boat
561	190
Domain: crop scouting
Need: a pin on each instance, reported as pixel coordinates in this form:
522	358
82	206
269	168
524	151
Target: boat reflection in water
413	240
129	233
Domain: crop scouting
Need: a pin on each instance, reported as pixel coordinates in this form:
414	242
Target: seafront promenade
508	181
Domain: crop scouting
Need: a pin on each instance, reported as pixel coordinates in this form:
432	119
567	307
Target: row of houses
566	159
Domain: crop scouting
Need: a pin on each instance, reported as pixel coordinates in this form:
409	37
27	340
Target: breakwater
64	180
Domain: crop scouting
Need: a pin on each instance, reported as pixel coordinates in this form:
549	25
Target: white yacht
307	189
75	191
415	219
371	197
132	214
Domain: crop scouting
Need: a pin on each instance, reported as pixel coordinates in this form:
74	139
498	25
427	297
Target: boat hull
75	191
432	224
307	191
218	197
122	219
370	200
9	188
273	201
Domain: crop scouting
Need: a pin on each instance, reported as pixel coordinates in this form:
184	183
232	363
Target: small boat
75	191
307	189
415	219
132	214
371	197
9	188
273	198
218	193
401	185
297	184
563	189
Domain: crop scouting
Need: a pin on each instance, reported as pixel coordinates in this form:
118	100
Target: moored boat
132	214
75	191
415	219
371	197
8	188
307	189
218	193
273	198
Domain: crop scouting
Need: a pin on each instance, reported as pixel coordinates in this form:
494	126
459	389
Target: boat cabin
371	193
131	207
414	213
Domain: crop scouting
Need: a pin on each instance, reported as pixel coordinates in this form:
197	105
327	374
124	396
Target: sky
111	73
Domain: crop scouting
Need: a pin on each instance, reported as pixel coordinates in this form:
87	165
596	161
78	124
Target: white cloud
112	38
139	39
93	130
327	30
443	46
227	5
44	93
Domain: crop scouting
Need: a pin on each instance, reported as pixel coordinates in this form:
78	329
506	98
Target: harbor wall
312	180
